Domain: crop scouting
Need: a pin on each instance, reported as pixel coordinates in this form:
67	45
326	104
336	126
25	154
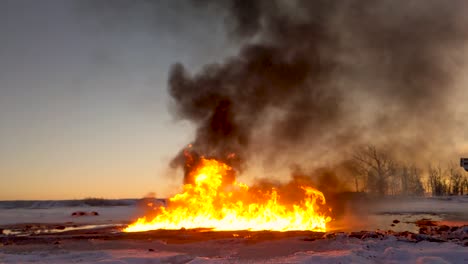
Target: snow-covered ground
334	247
107	215
341	249
379	214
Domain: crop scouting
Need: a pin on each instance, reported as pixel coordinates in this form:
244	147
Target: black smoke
317	78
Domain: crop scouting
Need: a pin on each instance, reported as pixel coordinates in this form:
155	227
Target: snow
424	205
112	214
339	250
338	246
105	256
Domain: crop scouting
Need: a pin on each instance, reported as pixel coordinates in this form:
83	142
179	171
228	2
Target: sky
84	107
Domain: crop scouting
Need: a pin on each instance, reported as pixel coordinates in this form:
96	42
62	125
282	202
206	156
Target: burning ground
212	198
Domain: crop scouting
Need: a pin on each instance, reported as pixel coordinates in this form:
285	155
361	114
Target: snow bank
340	250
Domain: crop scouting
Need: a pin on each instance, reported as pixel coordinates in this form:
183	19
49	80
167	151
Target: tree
437	181
411	183
376	167
358	174
464	185
456	180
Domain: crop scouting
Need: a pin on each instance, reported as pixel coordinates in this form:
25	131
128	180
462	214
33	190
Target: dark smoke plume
317	78
313	81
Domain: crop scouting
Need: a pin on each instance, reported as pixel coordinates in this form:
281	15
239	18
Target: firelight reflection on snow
209	202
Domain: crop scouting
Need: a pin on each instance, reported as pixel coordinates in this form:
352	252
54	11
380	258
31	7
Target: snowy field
291	250
51	234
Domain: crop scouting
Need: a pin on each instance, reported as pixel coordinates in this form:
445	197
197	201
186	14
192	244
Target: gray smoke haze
314	79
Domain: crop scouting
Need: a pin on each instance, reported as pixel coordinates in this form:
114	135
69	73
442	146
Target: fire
209	201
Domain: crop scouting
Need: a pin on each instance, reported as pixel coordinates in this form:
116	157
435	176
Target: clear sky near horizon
83	96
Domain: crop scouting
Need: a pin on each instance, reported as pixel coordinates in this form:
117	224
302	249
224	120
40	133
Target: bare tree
437	181
456	180
411	183
464	185
358	173
376	167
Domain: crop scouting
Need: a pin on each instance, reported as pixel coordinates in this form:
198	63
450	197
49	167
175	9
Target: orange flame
209	202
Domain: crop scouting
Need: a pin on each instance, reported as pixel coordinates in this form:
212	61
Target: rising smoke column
319	77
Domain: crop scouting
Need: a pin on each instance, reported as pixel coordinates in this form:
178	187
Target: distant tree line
377	173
